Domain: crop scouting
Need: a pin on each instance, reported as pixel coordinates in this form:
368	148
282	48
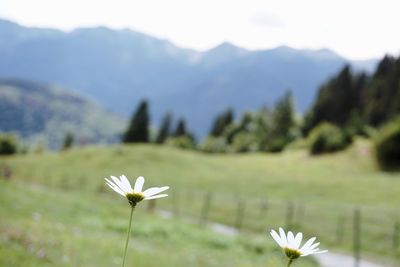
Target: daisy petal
126	183
138	185
118	183
297	240
283	237
157	196
308	244
154	190
314	246
321	251
116	189
277	238
290	239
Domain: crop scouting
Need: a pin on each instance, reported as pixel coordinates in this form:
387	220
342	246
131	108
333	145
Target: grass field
42	226
316	195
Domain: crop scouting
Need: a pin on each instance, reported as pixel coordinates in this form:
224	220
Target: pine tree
164	129
242	127
337	99
283	116
138	130
180	128
221	122
68	141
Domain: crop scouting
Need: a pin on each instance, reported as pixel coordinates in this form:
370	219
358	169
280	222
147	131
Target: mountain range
117	68
37	111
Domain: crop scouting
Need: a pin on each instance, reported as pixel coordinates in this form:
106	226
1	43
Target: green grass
324	190
42	226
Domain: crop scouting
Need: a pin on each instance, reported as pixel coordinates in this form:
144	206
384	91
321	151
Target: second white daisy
291	244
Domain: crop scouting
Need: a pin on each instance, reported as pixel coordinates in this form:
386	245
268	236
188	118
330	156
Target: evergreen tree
180	128
283	116
164	131
138	130
68	141
221	122
282	123
353	101
384	92
241	127
8	144
340	101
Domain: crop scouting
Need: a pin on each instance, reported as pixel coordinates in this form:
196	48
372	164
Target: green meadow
44	226
57	211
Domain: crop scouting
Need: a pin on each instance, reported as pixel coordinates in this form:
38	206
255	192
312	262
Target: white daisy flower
291	244
135	195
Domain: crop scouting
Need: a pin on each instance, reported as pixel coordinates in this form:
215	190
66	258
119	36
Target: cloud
267	20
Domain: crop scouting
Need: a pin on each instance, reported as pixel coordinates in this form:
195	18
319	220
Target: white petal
154	190
297	240
307	245
139	184
283	237
114	185
126	183
321	251
118	183
290	240
157	196
116	189
277	238
314	246
314	252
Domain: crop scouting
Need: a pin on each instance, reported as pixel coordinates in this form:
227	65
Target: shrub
387	146
184	142
276	144
244	142
8	144
214	145
326	138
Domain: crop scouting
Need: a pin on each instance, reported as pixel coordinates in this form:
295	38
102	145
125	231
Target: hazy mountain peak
120	67
221	54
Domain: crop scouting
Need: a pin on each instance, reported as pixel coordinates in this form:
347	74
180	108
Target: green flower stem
289	263
128	235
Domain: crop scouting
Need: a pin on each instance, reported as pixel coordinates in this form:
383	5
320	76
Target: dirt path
330	259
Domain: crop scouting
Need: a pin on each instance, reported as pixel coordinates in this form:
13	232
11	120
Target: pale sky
356	29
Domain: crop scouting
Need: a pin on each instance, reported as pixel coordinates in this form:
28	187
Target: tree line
346	105
263	130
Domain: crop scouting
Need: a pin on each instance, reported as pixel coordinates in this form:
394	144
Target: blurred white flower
291	244
135	195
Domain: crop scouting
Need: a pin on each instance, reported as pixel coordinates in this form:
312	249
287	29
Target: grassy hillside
34	109
314	194
48	226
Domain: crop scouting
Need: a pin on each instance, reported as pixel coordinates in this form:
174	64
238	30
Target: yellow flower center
134	198
292	253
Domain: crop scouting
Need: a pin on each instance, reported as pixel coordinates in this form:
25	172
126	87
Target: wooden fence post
300	214
206	208
340	229
176	207
151	205
395	240
264	208
289	215
241	206
357	236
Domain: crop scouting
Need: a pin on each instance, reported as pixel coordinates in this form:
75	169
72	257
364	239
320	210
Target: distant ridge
34	110
117	68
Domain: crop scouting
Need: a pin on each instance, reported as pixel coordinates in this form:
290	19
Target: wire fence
365	231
